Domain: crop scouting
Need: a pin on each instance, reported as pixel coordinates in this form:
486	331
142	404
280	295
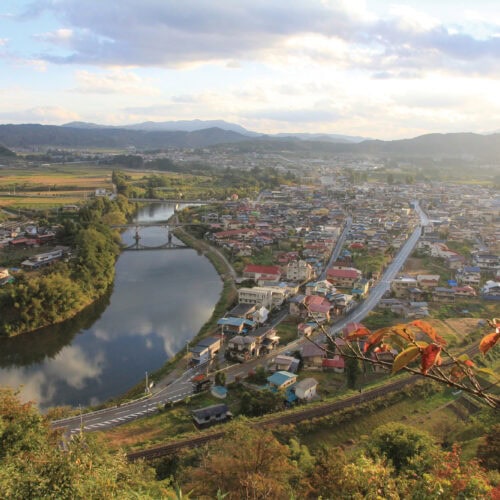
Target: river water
159	301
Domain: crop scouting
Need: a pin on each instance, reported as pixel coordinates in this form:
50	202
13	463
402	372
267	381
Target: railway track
292	417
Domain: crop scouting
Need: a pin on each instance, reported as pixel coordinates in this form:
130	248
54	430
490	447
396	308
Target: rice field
41	188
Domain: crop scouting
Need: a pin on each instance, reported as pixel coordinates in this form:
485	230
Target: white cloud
116	81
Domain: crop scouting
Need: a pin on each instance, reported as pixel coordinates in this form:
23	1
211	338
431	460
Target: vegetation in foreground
396	461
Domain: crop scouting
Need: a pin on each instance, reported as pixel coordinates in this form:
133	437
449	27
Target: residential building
281	380
262	296
205	350
299	270
210	415
305	390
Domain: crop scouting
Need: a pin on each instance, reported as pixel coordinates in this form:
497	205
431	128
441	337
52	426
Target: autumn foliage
418	341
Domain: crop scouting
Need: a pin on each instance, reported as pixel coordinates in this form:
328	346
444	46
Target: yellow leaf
405	357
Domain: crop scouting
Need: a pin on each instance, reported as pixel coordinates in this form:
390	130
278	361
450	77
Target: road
181	388
338	246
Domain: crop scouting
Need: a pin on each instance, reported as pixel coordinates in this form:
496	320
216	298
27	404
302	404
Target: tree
248	463
488	452
32	465
220	378
352	372
407	448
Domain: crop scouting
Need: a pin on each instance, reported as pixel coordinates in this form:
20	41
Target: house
441	294
305	390
210	415
305	329
464	291
42	259
312	355
241	347
281	380
318	308
428	281
205	350
343	278
336	364
491	290
235	325
322	287
285	363
469	275
255	272
299	270
242	311
402	284
486	261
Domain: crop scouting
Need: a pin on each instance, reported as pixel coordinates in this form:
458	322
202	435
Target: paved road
338	246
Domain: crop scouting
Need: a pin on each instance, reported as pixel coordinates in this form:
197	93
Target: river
159	301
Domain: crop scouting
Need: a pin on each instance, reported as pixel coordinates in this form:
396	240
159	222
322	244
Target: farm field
41	188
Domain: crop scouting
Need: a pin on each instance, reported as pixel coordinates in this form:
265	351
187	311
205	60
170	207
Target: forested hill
456	145
26	136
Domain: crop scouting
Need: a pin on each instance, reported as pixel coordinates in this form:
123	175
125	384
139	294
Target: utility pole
147	385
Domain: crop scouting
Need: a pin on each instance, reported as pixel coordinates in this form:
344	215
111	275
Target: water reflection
160	299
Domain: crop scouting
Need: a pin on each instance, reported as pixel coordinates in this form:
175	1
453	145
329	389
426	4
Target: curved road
182	387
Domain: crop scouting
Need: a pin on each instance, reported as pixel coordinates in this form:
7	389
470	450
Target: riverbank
176	365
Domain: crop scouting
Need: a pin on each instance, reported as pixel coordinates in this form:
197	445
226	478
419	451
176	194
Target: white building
299	270
264	296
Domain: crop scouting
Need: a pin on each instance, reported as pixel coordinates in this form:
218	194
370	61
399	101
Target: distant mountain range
201	134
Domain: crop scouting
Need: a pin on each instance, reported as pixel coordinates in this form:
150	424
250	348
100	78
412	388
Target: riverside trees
59	292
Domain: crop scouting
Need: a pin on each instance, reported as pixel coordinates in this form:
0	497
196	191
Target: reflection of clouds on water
31	386
72	367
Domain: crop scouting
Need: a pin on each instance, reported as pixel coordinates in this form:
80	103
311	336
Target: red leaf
429	357
429	331
488	342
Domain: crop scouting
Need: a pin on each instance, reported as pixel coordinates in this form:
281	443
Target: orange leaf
361	331
429	331
376	337
405	357
488	342
429	357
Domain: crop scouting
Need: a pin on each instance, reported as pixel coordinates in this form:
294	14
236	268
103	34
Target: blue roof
472	269
235	322
279	378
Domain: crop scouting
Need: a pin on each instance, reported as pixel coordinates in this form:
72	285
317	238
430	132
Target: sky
371	68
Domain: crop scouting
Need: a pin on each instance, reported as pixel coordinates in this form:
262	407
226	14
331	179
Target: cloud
42	114
170	33
116	81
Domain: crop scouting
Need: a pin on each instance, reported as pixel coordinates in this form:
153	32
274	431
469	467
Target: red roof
342	273
336	362
253	268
